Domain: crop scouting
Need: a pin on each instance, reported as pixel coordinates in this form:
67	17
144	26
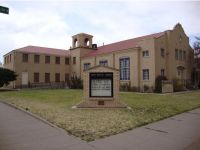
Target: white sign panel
101	87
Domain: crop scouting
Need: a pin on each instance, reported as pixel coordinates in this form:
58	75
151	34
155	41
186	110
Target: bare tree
197	47
196	73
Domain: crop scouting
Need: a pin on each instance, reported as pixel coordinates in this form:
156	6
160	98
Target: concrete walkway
20	131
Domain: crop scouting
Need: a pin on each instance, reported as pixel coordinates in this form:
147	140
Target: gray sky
52	23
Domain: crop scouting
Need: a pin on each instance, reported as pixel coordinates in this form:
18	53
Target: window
47	59
36	77
66	77
37	58
57	77
4	60
176	54
57	60
162	52
67	60
86	66
145	53
124	68
180	55
162	72
47	77
74	60
24	57
184	55
103	62
145	74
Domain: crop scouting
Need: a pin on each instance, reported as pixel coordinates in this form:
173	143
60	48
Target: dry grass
89	124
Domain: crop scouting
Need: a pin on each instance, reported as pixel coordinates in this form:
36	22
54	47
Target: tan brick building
139	60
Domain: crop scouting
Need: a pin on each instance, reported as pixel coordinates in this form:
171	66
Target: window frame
24	59
57	77
47	59
145	74
103	62
36	59
176	54
36	77
67	60
57	60
162	52
180	54
124	66
74	60
86	66
47	80
145	53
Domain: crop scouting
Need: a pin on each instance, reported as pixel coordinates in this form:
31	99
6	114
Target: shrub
147	88
158	83
125	87
75	83
135	89
178	86
6	76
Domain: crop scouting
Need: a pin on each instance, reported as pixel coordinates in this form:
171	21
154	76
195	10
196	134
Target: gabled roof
43	50
122	45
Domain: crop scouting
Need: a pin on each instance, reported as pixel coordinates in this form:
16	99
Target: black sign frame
101	75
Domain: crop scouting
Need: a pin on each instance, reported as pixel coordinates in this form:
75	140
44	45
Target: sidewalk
20	131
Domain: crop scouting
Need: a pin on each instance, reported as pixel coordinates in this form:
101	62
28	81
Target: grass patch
89	124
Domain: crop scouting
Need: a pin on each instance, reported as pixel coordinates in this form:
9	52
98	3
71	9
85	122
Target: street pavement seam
156	130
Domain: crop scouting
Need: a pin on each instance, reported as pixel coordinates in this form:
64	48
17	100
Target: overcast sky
52	23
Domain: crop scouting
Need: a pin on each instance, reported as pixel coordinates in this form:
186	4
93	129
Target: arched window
87	42
75	43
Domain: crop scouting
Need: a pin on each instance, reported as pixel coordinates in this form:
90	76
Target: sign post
4	10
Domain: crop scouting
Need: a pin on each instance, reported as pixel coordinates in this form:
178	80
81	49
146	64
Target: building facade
140	60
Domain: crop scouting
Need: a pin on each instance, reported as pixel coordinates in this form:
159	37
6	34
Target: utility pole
4	10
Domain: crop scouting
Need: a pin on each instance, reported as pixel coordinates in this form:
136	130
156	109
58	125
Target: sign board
4	10
101	84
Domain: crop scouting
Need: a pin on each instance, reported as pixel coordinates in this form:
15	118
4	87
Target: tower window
87	42
86	66
75	43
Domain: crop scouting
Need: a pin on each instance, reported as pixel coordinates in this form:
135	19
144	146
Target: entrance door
24	78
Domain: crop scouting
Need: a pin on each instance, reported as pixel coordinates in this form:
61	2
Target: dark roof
122	45
43	50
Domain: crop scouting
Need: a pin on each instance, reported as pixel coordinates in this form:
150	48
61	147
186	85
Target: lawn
89	124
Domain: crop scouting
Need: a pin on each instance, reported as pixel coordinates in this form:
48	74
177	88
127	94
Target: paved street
21	131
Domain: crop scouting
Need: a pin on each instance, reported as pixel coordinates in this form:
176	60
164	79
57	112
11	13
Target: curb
33	115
